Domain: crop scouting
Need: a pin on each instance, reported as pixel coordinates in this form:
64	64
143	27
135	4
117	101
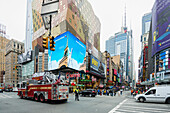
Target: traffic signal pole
50	25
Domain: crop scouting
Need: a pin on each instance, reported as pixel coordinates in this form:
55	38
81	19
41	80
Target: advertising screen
160	25
69	52
97	65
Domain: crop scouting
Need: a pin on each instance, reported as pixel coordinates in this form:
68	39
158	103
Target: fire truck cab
45	86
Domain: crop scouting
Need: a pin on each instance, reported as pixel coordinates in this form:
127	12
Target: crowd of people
109	92
136	91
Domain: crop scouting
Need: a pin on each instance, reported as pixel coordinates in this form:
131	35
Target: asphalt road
11	103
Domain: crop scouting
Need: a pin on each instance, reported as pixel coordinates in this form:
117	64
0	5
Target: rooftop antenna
125	16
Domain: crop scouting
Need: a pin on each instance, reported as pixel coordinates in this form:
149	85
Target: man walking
77	94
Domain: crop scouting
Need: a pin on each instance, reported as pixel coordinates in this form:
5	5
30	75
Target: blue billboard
160	26
69	52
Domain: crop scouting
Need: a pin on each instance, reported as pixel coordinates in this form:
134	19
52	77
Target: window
151	92
70	7
64	6
144	38
70	20
73	16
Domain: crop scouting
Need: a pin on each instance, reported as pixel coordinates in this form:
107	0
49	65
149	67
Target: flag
58	79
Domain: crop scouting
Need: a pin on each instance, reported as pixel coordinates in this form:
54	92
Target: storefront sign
72	75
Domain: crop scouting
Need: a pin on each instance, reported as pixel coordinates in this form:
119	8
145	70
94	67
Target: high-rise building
29	27
122	44
13	49
3	42
146	20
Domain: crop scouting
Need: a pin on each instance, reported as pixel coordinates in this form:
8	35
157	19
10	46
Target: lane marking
2	96
5	96
114	109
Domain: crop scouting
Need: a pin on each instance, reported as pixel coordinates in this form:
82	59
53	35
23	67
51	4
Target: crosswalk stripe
123	110
144	108
117	107
146	104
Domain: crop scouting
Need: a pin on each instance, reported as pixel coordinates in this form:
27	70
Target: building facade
13	49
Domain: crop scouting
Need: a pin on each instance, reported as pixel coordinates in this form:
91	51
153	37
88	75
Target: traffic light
15	67
52	43
45	42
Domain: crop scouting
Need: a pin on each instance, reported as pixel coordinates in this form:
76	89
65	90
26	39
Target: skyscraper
122	44
29	27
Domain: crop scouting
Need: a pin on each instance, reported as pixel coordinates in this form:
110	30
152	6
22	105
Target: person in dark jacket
77	94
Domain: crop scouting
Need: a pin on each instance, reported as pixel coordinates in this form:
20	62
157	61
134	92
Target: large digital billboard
97	65
69	52
160	25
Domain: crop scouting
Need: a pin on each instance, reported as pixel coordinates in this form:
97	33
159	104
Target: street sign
50	7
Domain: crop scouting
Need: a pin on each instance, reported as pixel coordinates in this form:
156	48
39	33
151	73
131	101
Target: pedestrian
77	94
102	91
138	91
121	90
119	93
114	93
98	91
131	91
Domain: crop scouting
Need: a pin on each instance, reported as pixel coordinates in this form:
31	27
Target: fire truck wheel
35	97
42	99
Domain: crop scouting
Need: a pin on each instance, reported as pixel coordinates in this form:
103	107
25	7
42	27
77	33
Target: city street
11	103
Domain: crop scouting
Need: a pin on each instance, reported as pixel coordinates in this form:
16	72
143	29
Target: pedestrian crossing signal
52	43
45	42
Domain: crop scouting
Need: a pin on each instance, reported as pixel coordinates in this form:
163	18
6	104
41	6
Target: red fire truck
45	86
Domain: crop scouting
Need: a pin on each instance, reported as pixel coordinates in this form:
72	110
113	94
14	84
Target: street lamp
49	7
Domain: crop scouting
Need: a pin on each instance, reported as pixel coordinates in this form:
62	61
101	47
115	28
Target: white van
155	94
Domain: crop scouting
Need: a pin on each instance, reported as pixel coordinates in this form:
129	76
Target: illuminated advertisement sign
160	25
107	66
69	52
97	65
115	71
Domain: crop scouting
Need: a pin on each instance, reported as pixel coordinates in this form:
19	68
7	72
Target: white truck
159	93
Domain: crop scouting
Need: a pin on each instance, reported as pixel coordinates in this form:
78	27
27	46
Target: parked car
89	92
1	90
155	94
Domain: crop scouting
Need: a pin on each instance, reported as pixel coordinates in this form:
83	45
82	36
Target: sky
109	12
